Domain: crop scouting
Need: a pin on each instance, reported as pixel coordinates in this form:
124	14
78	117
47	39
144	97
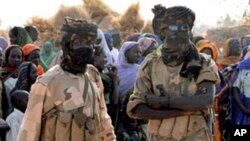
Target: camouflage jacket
67	107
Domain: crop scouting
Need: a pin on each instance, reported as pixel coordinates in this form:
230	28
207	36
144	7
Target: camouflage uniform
61	109
154	72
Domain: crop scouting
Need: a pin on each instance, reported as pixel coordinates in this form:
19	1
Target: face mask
177	34
77	59
172	57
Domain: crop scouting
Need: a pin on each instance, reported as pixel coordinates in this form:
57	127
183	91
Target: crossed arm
158	107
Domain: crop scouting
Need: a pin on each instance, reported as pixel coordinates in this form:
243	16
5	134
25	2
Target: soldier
174	89
66	103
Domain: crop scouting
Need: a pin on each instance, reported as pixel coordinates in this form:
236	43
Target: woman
47	55
147	46
110	81
32	54
13	57
241	94
19	36
27	74
127	69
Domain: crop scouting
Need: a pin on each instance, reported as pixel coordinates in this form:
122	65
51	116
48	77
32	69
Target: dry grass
220	35
131	14
77	12
46	30
97	8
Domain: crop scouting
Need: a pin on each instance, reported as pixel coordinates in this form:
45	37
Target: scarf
126	71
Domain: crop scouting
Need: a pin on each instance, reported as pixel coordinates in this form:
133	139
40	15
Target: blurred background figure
19	36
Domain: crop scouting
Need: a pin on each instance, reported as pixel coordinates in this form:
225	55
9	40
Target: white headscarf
126	71
105	47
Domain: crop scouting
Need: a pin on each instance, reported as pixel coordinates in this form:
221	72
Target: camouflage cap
174	15
77	27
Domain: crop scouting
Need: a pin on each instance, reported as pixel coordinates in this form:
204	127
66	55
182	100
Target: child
19	100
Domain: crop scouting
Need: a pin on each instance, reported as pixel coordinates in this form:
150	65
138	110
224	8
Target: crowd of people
164	86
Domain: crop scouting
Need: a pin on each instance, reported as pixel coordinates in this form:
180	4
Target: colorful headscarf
133	37
126	71
47	59
231	52
145	43
27	50
244	64
3	43
203	44
22	36
150	35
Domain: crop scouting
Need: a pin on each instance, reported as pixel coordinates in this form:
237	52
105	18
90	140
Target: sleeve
107	129
31	124
208	72
11	135
142	87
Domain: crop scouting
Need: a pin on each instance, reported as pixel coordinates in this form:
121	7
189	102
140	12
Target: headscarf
126	71
47	59
150	35
244	64
104	45
24	80
7	70
27	50
133	37
231	52
3	43
108	37
145	43
204	44
22	36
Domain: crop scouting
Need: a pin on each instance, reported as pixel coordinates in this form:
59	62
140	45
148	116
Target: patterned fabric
154	72
58	104
145	43
133	37
23	81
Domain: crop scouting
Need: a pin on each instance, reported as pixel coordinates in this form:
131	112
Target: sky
17	12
